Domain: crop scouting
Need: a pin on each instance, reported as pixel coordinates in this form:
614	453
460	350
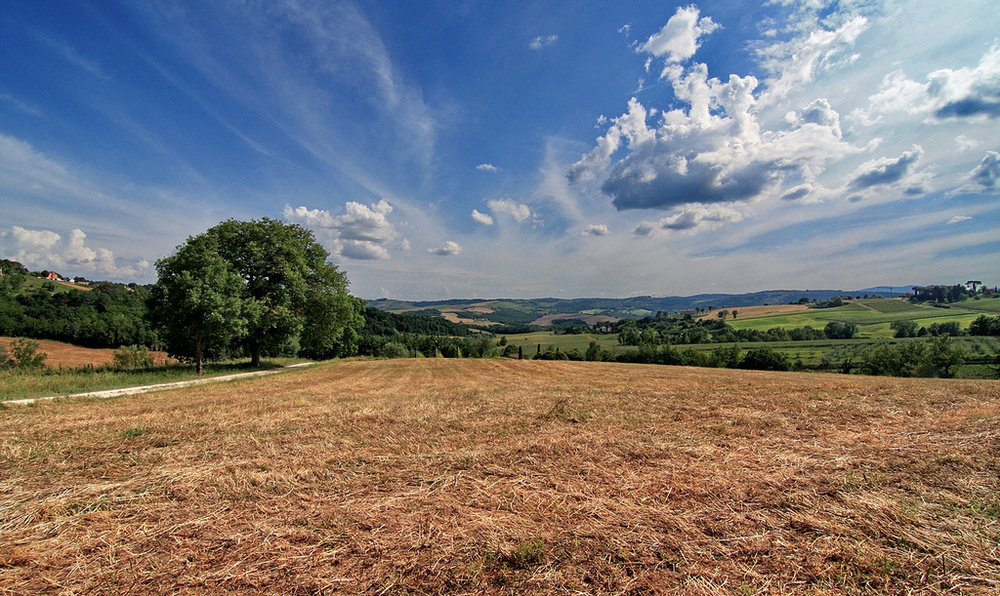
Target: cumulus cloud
518	211
595	230
948	93
448	249
542	41
984	178
679	39
885	170
361	232
818	112
69	255
486	167
481	218
713	152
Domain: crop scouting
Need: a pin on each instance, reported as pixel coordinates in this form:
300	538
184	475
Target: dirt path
106	393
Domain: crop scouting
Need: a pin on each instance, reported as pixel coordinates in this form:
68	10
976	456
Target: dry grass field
508	477
63	355
753	312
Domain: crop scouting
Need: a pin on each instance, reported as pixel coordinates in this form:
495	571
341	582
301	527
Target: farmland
872	317
427	476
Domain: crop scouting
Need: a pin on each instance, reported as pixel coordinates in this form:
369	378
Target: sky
483	149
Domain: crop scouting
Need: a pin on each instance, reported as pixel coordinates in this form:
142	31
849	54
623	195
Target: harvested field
508	477
753	312
63	355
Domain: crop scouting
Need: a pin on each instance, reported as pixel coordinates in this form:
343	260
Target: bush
904	328
25	354
764	358
838	330
132	357
394	349
984	325
903	360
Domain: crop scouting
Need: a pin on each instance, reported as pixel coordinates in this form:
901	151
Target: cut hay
508	477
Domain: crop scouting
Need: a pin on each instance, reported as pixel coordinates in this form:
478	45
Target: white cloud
361	232
797	193
481	218
965	143
885	170
691	218
984	178
518	211
543	41
448	249
948	93
45	249
958	219
713	152
595	230
486	167
678	40
794	62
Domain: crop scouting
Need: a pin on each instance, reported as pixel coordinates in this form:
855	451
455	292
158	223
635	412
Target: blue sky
512	149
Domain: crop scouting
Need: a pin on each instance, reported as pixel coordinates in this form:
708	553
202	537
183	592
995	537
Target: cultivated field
63	355
508	477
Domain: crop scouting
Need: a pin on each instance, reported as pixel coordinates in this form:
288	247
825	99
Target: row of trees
673	330
759	358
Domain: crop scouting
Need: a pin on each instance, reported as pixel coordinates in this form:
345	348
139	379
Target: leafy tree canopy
263	283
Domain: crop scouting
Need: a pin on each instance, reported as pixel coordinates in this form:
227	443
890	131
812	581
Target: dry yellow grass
508	477
63	355
753	312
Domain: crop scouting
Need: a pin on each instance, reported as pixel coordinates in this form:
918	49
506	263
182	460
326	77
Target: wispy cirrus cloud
543	41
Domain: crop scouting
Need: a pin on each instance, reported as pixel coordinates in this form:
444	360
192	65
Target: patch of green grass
51	382
529	553
135	431
989	305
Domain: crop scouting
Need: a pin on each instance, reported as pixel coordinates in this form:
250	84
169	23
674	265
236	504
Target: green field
873	317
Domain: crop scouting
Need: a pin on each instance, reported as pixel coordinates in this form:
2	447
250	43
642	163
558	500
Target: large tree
287	282
282	296
197	303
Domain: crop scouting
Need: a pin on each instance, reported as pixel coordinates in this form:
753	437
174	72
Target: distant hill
523	311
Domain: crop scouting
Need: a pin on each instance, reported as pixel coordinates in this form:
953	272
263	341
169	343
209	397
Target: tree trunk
197	355
254	354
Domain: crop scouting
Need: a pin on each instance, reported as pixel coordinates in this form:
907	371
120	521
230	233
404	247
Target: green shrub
25	354
132	357
764	358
